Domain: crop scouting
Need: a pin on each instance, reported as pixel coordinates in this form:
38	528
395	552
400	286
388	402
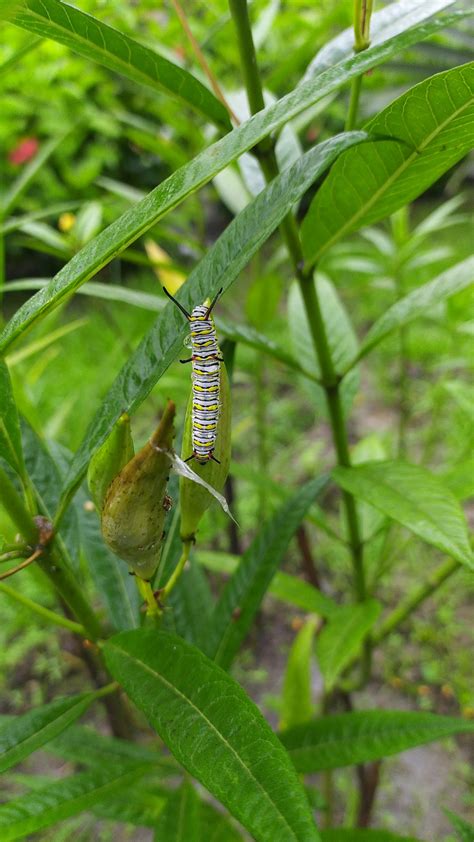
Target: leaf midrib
212	727
388	183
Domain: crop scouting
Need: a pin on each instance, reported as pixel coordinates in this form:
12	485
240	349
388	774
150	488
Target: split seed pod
109	460
194	499
136	502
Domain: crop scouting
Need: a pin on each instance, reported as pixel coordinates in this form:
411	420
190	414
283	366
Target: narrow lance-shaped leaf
431	126
418	303
297	705
342	636
96	41
214	730
26	733
243	593
114	239
61	799
415	498
344	739
218	269
180	819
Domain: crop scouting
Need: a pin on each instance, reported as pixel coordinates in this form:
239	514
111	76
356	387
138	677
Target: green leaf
284	587
62	799
243	593
464	830
385	23
96	41
415	498
218	269
418	303
297	705
344	739
134	222
10	435
82	744
28	732
431	126
116	587
180	820
338	834
342	637
214	731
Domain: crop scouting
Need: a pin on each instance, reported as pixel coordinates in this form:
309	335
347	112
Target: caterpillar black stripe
205	361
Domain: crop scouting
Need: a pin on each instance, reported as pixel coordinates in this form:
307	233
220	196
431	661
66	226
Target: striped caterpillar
205	361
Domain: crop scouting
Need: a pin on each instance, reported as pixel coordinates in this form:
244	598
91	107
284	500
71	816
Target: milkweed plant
139	550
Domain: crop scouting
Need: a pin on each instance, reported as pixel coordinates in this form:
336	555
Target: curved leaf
214	730
297	705
431	126
418	302
344	739
415	498
218	269
24	734
62	799
464	830
180	819
134	222
243	593
216	826
342	637
96	41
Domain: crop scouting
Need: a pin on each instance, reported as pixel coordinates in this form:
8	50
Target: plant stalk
330	380
45	613
362	15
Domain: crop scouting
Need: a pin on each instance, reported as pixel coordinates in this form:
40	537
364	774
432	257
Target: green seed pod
194	499
136	502
109	460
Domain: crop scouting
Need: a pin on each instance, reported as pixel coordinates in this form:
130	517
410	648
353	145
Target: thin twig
23	564
202	60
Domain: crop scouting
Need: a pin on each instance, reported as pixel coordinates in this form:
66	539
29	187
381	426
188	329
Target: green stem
329	378
351	120
43	612
415	598
177	571
362	15
13	504
146	591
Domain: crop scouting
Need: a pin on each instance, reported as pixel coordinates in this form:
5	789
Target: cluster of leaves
179	678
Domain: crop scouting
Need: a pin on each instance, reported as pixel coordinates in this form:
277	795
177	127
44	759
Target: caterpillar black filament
205	361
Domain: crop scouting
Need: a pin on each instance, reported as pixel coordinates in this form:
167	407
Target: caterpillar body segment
205	361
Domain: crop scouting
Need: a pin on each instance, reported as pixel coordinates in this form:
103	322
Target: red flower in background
24	151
